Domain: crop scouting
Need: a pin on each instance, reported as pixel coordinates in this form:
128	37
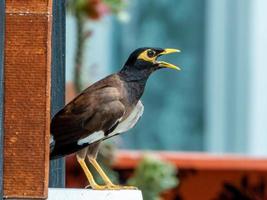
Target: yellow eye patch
148	55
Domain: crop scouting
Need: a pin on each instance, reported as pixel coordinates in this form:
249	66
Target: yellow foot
120	187
96	187
111	187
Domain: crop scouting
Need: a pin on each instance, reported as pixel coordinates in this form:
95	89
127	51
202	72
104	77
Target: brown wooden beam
2	31
27	61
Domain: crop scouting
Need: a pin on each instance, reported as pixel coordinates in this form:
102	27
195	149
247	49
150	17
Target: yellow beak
168	65
169	51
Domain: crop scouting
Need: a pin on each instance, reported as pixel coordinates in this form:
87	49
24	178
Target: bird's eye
151	53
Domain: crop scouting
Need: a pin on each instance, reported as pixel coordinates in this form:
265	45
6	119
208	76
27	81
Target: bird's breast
131	120
133	92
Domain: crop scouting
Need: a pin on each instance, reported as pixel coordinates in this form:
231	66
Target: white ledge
85	194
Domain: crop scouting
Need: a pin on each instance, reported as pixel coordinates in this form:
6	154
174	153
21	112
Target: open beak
165	64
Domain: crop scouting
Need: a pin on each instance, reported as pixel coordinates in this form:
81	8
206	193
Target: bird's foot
120	187
111	187
96	187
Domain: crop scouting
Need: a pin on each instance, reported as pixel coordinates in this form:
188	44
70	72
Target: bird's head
145	59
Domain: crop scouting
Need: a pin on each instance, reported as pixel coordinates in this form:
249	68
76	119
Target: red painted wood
202	176
129	159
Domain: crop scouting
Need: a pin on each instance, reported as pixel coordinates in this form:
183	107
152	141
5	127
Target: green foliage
76	6
81	6
115	5
153	176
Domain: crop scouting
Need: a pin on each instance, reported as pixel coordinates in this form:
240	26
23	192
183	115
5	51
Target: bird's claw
96	187
120	187
111	187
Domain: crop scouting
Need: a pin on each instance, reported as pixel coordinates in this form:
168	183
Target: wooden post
27	98
2	30
57	167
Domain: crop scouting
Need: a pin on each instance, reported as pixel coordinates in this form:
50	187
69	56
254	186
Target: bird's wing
92	113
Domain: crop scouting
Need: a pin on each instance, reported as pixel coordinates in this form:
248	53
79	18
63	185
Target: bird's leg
81	160
100	171
108	182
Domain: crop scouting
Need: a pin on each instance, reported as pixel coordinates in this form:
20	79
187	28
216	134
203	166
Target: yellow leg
109	184
100	171
89	175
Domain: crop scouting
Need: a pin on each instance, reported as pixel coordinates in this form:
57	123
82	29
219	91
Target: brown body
98	108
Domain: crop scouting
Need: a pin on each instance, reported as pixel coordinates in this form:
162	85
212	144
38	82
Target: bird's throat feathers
135	81
138	72
133	75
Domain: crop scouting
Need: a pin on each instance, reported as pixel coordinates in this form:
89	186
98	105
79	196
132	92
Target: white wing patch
92	138
123	126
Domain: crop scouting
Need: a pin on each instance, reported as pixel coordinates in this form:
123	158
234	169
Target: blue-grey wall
57	167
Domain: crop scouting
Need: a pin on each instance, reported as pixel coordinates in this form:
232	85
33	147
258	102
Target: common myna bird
107	108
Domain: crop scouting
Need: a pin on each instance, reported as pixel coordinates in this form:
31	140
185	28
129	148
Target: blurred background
217	103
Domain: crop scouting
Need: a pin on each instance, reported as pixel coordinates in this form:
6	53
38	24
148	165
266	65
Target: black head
145	60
